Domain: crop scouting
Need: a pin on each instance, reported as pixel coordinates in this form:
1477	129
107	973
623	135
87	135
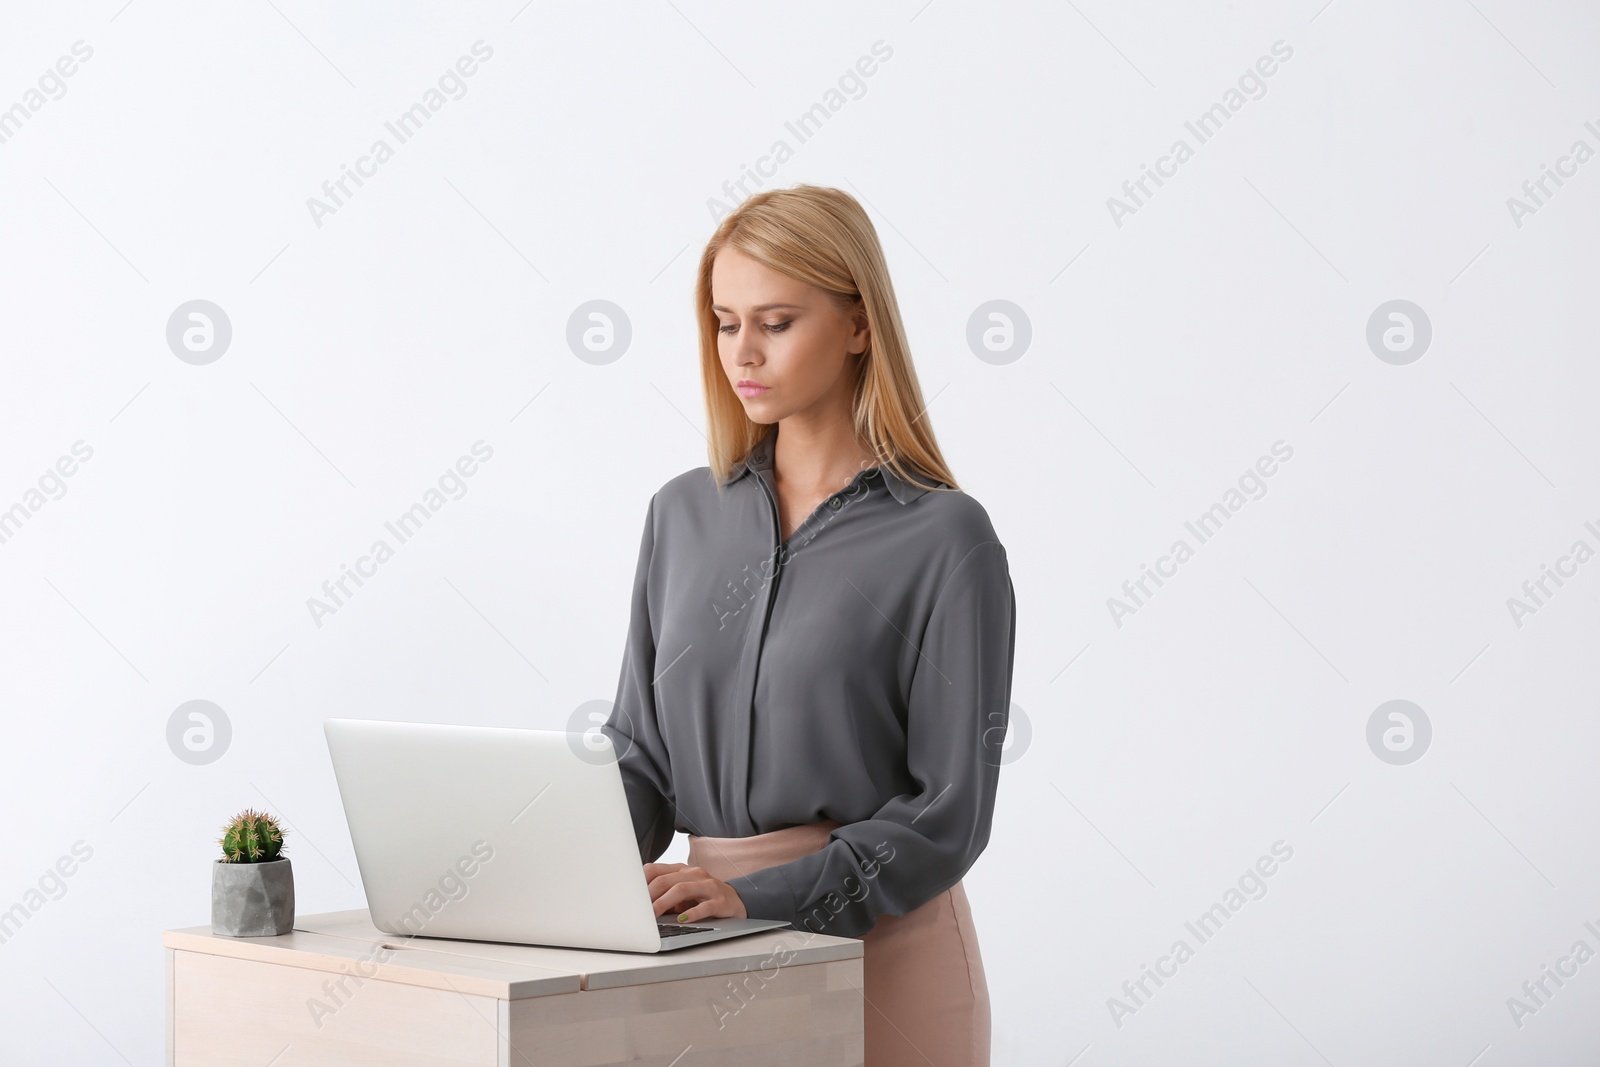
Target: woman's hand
690	893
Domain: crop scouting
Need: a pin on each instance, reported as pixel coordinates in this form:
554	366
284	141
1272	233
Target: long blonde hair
822	237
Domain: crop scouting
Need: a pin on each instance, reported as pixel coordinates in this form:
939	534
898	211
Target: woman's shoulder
690	479
694	492
957	516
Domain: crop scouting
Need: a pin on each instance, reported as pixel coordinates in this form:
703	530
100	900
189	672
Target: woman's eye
775	327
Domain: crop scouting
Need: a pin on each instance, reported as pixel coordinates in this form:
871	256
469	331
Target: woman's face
786	337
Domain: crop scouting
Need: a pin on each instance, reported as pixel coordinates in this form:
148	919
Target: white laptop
494	834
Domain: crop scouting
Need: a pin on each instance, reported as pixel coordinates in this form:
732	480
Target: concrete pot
252	899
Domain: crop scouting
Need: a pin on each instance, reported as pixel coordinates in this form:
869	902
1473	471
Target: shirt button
835	503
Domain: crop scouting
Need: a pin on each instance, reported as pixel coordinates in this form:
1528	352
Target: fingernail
682	917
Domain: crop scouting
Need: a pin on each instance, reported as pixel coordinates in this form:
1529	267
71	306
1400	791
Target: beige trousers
927	1001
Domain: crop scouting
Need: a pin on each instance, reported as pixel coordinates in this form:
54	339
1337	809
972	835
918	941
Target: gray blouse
859	672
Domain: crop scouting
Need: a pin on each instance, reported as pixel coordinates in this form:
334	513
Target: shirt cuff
766	894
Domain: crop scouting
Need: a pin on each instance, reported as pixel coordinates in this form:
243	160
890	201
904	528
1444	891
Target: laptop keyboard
669	929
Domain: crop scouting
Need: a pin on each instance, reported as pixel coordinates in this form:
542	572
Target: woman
818	666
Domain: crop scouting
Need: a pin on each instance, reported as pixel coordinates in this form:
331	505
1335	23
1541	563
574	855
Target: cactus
251	837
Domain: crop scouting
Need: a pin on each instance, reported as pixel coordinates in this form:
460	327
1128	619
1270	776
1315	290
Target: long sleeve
919	843
633	728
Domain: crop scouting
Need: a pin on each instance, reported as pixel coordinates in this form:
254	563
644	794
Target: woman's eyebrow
763	307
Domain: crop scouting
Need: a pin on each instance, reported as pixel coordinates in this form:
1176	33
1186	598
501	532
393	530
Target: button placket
737	799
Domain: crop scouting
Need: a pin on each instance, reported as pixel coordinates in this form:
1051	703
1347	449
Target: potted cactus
252	885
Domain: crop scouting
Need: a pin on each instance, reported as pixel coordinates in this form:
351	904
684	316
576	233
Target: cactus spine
251	837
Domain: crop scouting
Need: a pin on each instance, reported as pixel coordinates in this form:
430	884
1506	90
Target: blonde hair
822	237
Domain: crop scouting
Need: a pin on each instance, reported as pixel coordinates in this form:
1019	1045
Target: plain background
1151	763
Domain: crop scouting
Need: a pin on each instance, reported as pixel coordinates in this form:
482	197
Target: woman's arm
921	843
632	727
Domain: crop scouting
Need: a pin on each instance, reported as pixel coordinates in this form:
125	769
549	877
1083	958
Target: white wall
1171	348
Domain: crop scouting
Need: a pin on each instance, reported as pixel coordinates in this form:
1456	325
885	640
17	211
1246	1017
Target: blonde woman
817	675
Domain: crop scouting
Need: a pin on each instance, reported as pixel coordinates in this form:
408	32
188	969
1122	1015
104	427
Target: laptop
484	833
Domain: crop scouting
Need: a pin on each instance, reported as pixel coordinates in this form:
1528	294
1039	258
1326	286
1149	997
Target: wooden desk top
346	942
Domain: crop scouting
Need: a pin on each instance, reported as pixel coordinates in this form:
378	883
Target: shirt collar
760	459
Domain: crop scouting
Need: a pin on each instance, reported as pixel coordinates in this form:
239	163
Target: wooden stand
337	990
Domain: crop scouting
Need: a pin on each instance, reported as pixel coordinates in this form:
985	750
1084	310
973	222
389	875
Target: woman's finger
658	882
678	875
683	895
653	870
705	898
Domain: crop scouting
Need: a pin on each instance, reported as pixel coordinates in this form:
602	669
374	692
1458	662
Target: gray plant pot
252	899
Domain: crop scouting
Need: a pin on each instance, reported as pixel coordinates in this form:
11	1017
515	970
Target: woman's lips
746	389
